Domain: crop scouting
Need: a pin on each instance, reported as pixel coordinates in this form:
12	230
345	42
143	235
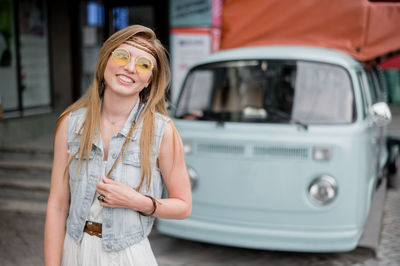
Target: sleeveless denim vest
120	227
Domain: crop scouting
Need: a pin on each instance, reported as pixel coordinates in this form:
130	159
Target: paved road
21	243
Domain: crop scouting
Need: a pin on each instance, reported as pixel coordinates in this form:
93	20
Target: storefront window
8	62
34	54
124	16
24	56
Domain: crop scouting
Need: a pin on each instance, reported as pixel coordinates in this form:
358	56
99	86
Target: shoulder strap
129	137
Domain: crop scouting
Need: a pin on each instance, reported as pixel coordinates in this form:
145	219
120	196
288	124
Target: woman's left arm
172	165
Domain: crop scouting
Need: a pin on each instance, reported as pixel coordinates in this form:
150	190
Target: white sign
186	49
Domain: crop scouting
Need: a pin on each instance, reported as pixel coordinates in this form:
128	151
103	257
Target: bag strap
129	137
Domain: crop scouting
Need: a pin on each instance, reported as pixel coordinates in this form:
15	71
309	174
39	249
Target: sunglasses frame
129	59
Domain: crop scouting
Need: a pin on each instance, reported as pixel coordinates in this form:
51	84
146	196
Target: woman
114	150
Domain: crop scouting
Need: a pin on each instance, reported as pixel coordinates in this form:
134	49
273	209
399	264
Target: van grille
273	151
279	151
221	148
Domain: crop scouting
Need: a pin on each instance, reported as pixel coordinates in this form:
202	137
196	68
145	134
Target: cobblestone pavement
21	243
389	248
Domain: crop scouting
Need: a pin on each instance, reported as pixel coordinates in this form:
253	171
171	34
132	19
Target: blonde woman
114	151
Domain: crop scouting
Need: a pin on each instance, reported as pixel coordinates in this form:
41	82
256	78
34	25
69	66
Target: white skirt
90	253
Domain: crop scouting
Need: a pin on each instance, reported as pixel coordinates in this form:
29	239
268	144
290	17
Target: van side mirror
381	114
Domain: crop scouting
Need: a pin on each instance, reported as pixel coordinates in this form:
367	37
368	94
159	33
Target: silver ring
101	198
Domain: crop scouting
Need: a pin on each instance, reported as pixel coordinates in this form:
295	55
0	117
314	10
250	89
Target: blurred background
48	53
48	49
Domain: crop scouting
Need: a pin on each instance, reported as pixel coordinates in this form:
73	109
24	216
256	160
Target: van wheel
393	175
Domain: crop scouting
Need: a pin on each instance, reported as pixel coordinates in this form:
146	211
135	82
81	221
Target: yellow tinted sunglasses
121	57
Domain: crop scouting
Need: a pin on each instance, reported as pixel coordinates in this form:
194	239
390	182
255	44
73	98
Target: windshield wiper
285	116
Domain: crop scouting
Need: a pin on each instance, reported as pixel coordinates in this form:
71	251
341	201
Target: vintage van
284	146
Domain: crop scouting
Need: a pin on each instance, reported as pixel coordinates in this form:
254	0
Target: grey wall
14	130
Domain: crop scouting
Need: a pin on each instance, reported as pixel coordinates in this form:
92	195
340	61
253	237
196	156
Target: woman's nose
131	66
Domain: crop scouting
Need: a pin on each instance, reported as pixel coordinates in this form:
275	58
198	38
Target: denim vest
121	227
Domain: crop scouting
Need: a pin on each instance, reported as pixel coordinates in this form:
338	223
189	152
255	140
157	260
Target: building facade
48	53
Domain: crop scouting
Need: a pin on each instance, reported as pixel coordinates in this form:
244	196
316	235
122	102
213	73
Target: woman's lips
125	79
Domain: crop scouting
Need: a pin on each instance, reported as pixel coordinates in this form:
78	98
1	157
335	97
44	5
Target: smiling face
126	80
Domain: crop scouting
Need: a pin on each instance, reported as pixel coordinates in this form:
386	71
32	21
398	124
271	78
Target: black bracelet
154	206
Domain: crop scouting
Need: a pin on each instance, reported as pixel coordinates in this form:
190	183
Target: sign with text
195	13
188	45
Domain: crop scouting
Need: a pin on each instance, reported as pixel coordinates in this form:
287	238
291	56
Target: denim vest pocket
132	168
75	173
132	158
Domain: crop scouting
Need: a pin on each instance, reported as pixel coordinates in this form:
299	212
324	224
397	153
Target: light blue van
284	146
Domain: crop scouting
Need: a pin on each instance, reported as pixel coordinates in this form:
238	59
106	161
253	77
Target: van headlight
192	176
323	189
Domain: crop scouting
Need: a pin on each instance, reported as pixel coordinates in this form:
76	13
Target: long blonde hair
153	96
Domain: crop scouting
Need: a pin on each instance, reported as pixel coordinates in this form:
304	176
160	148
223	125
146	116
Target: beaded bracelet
154	206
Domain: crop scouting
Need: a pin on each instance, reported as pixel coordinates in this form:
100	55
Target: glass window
363	92
35	73
197	91
368	93
373	90
268	91
376	79
8	58
123	16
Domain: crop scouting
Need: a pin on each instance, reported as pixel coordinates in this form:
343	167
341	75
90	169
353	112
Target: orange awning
364	29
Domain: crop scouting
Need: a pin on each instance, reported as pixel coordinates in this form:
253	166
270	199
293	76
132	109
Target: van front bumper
295	239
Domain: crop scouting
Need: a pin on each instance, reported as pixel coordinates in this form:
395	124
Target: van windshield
268	92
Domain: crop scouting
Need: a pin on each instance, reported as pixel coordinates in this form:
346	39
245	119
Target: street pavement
21	243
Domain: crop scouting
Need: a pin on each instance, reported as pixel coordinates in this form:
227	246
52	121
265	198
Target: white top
90	251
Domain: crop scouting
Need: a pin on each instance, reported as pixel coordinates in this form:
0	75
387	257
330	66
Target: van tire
393	175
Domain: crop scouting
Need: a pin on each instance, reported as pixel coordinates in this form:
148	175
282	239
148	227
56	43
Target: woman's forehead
136	51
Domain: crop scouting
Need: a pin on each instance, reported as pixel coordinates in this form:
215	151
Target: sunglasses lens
120	57
143	65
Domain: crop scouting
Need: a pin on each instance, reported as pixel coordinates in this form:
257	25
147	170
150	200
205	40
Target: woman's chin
125	91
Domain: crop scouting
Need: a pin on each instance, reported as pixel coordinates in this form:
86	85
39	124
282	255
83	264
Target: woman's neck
116	108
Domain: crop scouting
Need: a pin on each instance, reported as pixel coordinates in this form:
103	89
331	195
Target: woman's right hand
119	195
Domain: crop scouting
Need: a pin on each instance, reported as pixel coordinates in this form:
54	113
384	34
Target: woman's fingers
101	187
104	203
110	190
104	184
108	180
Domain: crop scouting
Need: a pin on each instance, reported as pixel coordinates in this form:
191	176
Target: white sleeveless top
90	251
